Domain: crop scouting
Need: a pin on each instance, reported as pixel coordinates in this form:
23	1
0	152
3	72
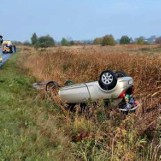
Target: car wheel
51	85
120	74
107	80
68	83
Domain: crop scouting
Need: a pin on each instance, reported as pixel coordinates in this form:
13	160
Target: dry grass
105	135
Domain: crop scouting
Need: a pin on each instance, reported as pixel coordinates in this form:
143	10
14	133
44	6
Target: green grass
24	118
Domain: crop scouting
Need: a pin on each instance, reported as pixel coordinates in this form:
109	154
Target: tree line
48	41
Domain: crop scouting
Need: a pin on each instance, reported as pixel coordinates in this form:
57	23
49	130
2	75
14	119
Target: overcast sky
79	19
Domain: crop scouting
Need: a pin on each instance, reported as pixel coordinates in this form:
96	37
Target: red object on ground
122	95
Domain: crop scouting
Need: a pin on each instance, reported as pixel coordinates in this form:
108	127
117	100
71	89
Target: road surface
5	57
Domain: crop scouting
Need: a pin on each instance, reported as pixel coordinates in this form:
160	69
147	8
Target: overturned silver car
111	85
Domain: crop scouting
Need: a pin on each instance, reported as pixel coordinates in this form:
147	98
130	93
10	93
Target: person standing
1	39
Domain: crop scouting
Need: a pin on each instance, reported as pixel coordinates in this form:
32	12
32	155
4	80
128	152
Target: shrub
45	41
125	40
65	42
34	39
140	41
97	41
108	40
72	42
42	42
26	43
108	134
158	40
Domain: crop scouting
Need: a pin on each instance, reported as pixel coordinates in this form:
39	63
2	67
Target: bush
42	42
102	134
65	42
158	40
125	40
140	41
72	42
34	39
45	41
26	43
97	41
108	40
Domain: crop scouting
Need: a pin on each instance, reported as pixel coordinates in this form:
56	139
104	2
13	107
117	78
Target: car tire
51	85
107	80
120	74
68	83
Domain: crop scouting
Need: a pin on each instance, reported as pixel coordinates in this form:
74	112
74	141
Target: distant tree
131	40
125	40
97	40
77	42
140	40
87	42
45	41
17	42
65	42
152	39
27	43
72	42
34	39
158	40
108	40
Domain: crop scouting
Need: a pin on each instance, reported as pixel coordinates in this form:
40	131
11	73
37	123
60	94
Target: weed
105	134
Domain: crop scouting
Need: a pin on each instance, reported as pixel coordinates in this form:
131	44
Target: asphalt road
5	58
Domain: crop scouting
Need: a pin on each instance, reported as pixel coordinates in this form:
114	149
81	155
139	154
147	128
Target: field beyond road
34	126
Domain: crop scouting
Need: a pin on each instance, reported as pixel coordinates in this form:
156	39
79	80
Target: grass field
34	127
24	119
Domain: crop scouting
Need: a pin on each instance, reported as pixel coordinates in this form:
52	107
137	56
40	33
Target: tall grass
106	134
